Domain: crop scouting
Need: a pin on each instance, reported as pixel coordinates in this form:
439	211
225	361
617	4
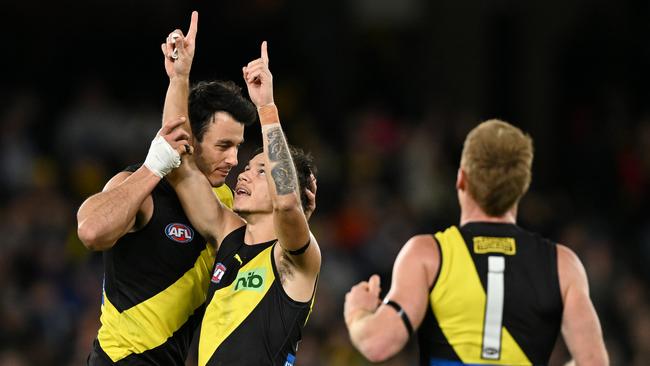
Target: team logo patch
179	233
219	271
487	244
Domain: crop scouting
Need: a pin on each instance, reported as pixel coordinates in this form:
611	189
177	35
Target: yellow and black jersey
496	300
155	287
249	319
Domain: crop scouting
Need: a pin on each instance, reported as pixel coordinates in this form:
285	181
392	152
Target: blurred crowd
387	145
382	181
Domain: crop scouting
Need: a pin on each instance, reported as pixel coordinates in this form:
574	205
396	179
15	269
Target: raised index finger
191	33
265	53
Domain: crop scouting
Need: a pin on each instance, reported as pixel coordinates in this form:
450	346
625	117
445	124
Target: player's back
496	299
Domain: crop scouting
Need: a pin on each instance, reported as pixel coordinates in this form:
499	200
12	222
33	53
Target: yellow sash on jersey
231	305
224	194
458	302
150	323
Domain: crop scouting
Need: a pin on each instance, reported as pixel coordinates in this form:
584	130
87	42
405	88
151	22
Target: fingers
265	53
312	184
178	135
194	23
172	125
179	140
310	194
256	72
184	148
311	199
174	43
255	62
179	47
374	285
169	46
363	285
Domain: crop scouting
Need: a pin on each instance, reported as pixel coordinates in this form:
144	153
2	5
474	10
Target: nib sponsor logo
251	280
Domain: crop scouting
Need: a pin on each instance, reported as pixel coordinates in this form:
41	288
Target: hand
176	136
310	192
167	147
182	47
259	80
362	300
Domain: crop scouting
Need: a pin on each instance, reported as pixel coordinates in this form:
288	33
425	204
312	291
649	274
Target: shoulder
571	272
420	250
568	260
421	244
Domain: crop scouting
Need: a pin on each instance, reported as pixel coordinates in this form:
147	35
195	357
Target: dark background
382	92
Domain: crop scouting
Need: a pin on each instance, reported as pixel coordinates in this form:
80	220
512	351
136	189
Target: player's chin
239	210
217	181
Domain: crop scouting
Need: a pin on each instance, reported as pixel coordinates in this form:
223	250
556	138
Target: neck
475	214
259	228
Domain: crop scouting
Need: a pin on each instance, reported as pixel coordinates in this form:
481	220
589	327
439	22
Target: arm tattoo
277	145
283	172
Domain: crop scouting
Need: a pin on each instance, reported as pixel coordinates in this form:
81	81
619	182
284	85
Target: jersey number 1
493	309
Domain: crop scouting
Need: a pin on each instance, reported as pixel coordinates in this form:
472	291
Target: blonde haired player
486	292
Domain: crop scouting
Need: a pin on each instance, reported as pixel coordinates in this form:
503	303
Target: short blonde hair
497	160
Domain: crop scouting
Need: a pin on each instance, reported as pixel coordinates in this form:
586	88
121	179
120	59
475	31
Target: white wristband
162	158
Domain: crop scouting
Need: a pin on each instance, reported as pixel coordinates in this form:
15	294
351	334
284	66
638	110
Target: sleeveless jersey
496	300
249	319
155	286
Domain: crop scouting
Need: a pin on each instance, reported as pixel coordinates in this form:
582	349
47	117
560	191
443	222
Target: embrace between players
176	256
182	250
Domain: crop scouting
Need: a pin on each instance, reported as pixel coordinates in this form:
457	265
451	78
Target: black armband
300	250
402	314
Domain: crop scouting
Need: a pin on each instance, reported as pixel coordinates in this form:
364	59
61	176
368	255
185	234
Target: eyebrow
228	141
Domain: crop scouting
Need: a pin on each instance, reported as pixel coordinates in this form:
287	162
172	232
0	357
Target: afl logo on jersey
179	233
219	270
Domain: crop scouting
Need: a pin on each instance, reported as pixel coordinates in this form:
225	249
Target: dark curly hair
208	97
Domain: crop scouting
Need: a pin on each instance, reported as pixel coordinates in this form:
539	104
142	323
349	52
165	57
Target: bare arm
289	219
107	216
207	214
378	332
178	70
125	203
580	324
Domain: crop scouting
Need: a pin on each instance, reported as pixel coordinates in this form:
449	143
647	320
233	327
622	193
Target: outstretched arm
178	51
289	219
580	324
378	331
199	202
125	203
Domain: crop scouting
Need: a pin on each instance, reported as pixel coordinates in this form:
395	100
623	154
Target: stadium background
382	92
